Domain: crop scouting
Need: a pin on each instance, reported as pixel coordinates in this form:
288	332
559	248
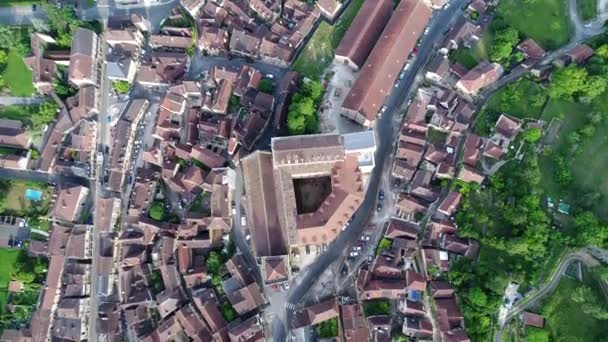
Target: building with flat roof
385	62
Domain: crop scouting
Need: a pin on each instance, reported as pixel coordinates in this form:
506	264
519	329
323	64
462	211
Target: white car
243	221
407	66
397	84
354	254
426	30
270	76
356	248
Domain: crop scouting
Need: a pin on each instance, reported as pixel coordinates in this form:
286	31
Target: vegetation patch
14	203
17	76
575	310
328	329
545	21
33	117
377	307
587	9
317	55
522	99
121	87
302	116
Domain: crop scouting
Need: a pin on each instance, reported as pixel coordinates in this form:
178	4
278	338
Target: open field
587	9
522	99
17	76
319	52
545	21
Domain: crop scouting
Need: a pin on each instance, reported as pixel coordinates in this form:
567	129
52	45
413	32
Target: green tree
503	42
157	211
536	335
567	82
594	86
602	51
533	134
3	58
328	329
46	113
477	297
266	86
121	87
213	262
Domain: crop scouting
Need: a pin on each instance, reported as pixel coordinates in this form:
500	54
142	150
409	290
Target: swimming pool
33	195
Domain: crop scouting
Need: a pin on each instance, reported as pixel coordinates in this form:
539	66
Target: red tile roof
387	58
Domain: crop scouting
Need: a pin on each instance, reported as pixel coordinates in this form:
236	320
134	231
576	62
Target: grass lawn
17	76
587	9
319	52
565	319
545	21
8	257
522	99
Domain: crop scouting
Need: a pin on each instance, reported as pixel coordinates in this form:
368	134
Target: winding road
546	289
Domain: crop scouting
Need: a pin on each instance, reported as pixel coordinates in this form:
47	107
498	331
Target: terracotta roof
384	64
244	42
507	126
316	314
483	75
275	269
248	331
266	232
354	325
174	42
193	325
69	203
469	174
580	53
531	49
450	203
246	299
402	229
364	31
472	150
533	319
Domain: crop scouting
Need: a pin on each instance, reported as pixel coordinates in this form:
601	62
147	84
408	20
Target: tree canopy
574	81
503	42
302	117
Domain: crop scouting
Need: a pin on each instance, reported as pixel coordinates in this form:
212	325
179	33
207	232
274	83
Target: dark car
381	195
379	208
34	7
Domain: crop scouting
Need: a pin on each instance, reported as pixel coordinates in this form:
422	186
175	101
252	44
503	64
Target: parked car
243	221
381	195
270	76
379	208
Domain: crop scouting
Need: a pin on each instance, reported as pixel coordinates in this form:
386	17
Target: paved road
385	131
13	100
202	63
